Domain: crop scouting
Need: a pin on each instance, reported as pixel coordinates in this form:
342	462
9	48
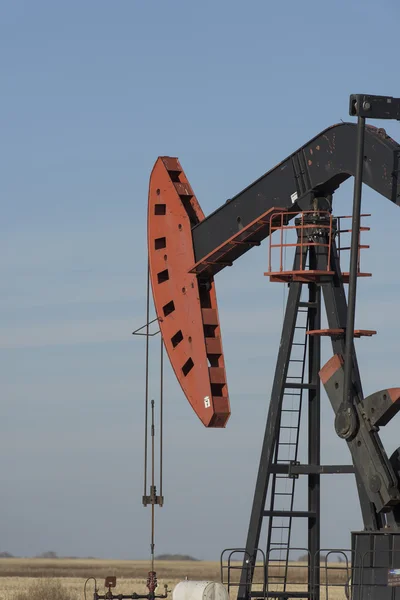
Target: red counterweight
185	306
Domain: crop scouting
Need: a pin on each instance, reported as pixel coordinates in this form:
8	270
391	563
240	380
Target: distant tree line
50	555
179	557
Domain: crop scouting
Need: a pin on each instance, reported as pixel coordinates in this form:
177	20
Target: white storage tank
200	590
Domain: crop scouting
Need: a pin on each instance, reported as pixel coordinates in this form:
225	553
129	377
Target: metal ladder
286	453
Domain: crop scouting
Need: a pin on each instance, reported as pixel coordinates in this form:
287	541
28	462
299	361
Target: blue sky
91	93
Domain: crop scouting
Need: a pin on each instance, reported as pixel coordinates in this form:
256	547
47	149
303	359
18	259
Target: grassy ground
16	575
83	568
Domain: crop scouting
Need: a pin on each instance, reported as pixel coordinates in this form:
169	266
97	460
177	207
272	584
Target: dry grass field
17	575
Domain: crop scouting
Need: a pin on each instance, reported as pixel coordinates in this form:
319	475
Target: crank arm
369	456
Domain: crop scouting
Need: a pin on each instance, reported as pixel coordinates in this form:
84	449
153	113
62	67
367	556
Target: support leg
314	434
270	436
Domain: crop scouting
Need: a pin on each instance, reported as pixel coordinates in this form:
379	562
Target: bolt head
375	483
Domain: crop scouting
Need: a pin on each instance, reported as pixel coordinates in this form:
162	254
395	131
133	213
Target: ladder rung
290	513
290	410
300	386
307	304
279	543
279	560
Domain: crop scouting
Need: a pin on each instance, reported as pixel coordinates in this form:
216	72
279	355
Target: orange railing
280	221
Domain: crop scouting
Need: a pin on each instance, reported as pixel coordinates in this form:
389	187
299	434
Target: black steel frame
333	293
319	167
303	175
313	172
314	430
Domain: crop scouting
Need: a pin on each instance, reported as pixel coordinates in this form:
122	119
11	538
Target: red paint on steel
304	276
188	314
326	332
330	368
340	332
346	276
394	394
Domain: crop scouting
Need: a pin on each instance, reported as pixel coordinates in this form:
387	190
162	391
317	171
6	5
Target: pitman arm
358	428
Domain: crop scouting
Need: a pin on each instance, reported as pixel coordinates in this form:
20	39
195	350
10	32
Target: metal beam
319	167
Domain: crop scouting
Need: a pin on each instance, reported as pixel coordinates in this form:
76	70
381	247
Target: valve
152	583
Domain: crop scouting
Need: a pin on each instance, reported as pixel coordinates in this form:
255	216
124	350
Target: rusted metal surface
340	332
110	581
152	585
152	581
304	276
187	310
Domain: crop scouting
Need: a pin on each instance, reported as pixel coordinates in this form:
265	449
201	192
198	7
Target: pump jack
186	250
